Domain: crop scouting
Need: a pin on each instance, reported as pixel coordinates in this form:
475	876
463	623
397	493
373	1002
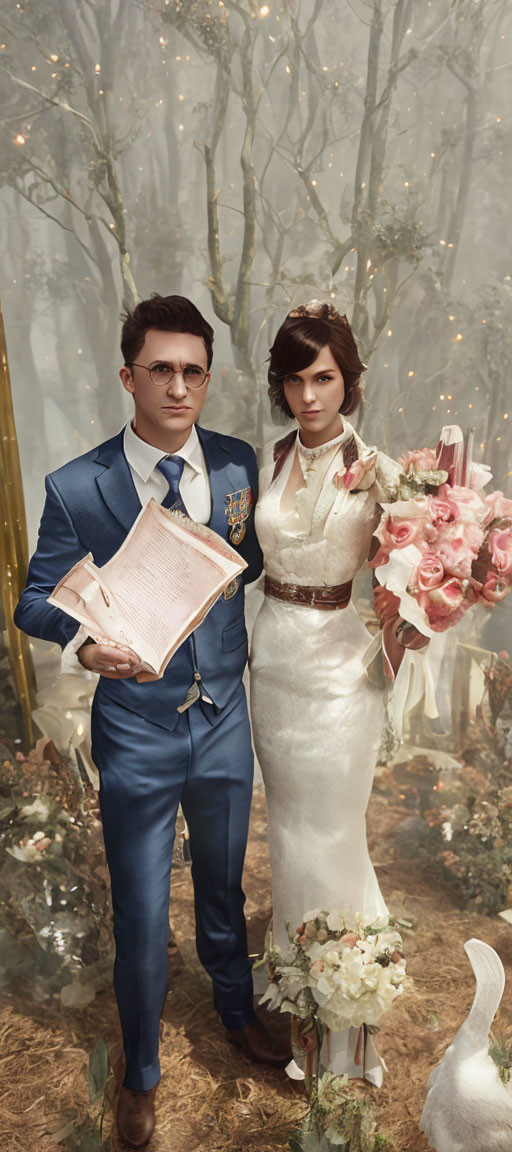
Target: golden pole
13	545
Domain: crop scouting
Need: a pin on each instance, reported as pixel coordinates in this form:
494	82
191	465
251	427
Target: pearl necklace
309	455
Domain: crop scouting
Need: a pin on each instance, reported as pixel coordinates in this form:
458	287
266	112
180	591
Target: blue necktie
172	468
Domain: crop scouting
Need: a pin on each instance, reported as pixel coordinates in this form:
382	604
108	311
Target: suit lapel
115	483
118	490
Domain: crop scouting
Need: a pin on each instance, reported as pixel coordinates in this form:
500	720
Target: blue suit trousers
206	763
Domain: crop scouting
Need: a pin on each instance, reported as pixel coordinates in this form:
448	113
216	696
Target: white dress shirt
194	488
149	481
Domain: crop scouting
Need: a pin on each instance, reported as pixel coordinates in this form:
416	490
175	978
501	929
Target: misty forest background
252	156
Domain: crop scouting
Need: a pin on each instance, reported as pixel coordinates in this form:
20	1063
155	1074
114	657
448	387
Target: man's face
165	413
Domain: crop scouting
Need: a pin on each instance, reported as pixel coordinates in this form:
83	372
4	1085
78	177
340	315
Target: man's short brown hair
166	314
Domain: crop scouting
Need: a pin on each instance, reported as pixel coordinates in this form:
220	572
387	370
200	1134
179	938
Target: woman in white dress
317	719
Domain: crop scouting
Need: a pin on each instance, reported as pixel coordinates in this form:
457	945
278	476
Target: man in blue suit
184	738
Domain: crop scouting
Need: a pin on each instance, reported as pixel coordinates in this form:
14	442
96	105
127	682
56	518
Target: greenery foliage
54	884
501	1052
89	1136
338	1120
463	826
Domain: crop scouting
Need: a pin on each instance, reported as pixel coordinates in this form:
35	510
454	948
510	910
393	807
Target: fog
251	157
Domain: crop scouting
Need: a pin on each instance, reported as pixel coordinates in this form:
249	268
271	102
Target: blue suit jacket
91	504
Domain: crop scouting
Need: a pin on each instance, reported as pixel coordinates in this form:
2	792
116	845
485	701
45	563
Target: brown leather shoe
136	1117
259	1045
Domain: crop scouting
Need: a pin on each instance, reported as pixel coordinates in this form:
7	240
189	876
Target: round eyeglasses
162	374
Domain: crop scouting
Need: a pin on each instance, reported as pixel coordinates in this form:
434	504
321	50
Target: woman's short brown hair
304	332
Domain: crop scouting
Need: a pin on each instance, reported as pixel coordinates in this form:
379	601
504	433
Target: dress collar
314	453
144	457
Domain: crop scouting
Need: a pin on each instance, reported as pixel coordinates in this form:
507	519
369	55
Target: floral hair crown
316	310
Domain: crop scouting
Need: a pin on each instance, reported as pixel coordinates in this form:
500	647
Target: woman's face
315	396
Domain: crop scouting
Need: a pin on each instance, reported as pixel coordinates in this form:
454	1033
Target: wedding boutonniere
359	474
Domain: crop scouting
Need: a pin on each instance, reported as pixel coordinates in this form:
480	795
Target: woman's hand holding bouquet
397	634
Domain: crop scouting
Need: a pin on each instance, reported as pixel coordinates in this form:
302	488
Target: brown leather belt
338	596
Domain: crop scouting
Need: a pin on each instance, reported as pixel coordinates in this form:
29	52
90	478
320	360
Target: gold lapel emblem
238	510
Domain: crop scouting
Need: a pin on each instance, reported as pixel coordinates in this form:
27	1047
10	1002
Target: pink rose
442	511
402	532
494	589
420	460
500	547
429	573
456	505
467	505
399	533
351	478
450	594
403	522
359	475
496	507
457	546
446	605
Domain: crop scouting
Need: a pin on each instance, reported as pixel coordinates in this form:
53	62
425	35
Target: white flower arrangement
339	969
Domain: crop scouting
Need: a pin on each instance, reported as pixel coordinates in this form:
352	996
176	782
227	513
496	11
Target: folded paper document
155	590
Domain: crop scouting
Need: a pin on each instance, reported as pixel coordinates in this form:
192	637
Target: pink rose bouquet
446	546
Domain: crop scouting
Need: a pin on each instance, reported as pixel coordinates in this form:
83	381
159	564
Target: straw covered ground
210	1097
